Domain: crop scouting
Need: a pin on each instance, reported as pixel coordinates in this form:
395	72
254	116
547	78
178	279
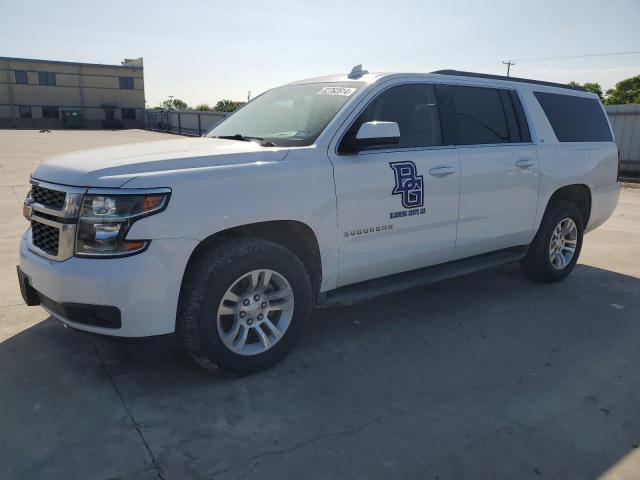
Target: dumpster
72	119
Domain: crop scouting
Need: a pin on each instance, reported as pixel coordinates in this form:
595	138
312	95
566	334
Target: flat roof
62	62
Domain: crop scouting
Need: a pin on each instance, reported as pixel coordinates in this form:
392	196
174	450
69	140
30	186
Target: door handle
525	163
442	171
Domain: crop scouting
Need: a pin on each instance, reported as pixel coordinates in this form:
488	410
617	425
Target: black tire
537	264
204	285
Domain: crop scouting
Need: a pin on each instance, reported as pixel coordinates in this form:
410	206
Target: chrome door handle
442	171
525	163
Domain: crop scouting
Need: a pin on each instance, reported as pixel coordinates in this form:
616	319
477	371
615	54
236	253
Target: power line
578	56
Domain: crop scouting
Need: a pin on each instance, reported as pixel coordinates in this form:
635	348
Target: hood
114	166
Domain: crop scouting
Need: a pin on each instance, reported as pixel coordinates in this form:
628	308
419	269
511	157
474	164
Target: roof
372	77
61	62
458	73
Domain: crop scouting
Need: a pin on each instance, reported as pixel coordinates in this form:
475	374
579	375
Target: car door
397	205
499	170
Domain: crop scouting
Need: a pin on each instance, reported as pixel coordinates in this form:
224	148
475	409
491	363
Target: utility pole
508	64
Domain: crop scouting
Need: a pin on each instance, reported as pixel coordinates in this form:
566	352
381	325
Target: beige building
49	93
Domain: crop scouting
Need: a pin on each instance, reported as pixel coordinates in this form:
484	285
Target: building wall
92	89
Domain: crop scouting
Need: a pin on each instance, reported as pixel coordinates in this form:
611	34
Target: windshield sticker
340	91
302	134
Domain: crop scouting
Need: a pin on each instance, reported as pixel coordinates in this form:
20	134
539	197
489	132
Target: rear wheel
556	247
243	305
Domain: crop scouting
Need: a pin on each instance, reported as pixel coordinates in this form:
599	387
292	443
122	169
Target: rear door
499	170
397	205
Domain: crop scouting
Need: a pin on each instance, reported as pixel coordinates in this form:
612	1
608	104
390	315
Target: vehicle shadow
483	376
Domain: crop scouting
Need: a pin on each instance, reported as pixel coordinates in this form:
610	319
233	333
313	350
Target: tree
626	91
227	105
175	104
203	107
589	87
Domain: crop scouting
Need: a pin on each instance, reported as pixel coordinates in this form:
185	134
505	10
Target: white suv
323	191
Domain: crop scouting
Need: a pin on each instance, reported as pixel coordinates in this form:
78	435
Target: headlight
105	220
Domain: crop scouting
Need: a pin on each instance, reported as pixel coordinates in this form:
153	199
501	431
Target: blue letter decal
408	184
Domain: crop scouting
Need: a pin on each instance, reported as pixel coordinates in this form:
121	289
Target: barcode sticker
341	91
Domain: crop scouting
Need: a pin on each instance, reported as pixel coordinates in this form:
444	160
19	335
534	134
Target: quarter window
50	112
126	83
24	111
21	77
46	78
575	119
413	107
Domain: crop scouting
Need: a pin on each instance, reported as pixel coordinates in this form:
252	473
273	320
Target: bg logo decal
408	184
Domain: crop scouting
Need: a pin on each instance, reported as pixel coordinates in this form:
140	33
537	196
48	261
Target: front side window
21	77
480	116
126	83
413	107
50	112
575	119
46	78
24	111
293	115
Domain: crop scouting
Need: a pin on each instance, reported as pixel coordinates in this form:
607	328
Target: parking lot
485	376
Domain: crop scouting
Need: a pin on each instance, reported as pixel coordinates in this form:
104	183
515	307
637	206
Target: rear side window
488	116
480	116
413	107
575	119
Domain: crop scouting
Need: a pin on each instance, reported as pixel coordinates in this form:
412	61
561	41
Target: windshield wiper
246	138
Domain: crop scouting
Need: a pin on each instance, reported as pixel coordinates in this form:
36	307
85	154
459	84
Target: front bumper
144	287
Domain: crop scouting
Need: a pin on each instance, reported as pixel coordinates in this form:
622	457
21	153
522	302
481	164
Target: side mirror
372	134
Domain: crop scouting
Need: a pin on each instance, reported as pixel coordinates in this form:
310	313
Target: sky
203	51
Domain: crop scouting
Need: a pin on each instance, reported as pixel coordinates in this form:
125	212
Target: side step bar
359	292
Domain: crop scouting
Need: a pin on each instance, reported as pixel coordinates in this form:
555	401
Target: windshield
288	116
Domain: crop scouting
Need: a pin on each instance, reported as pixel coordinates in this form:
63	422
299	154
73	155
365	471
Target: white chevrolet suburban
320	192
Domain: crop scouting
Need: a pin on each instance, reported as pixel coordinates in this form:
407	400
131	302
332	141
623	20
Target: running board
377	287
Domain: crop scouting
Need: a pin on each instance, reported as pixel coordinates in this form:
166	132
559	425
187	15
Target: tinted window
126	83
46	78
24	111
50	112
413	107
21	77
575	119
480	116
128	113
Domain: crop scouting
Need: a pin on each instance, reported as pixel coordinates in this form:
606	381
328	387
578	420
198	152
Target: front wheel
244	305
556	247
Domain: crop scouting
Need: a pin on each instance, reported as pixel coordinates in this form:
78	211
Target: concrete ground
486	376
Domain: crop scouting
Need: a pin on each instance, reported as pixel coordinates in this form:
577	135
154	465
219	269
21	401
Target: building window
21	77
46	78
126	83
128	113
24	111
50	112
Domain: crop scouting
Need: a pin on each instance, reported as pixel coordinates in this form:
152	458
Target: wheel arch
579	194
291	234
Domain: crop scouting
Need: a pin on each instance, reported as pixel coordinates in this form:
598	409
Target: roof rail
508	79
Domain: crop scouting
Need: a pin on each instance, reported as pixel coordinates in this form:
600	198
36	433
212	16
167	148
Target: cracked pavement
485	376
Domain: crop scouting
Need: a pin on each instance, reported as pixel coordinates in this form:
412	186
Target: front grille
46	238
47	197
